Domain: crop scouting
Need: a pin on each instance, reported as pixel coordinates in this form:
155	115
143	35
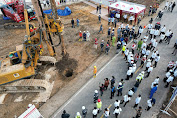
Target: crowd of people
144	52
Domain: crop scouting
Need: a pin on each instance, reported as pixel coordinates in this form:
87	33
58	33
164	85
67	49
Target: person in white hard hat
78	115
84	111
29	105
88	36
149	70
119	89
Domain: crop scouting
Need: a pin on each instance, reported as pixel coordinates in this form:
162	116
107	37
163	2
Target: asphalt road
118	67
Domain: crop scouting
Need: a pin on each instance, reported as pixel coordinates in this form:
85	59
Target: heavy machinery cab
15	11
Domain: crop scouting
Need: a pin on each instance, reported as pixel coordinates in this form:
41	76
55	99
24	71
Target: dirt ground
81	54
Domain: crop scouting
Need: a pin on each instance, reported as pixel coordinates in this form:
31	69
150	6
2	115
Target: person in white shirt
163	29
88	36
153	56
131	19
131	92
154	45
145	38
149	104
143	52
149	71
166	5
148	64
128	74
140	32
126	53
106	112
44	2
170	79
147	53
157	58
125	18
137	101
133	69
149	26
151	32
143	45
168	75
167	34
95	112
116	103
118	16
126	99
156	33
162	36
175	73
117	111
113	20
122	26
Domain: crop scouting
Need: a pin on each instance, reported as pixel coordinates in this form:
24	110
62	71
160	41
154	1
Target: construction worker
116	103
137	101
107	49
95	71
148	64
139	77
96	43
129	73
31	29
78	115
102	45
149	70
117	111
84	36
113	40
80	36
99	105
84	111
109	32
140	44
88	36
123	48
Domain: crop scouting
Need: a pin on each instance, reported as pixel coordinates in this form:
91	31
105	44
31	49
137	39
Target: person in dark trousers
101	28
97	8
174	4
150	102
99	18
137	101
112	92
115	22
72	22
106	83
175	50
138	112
101	89
112	81
65	115
48	3
102	45
150	10
157	58
84	111
119	89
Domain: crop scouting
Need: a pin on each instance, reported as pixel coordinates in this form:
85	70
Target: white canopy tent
127	7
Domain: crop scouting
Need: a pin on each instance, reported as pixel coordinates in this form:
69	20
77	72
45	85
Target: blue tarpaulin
65	12
5	18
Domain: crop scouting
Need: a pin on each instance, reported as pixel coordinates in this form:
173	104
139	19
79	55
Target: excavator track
21	25
25	86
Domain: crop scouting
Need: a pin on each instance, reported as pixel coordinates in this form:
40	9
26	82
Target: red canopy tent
127	7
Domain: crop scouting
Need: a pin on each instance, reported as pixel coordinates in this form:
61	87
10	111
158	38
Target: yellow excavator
21	64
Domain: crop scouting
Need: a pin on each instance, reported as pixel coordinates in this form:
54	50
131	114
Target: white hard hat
144	56
148	60
83	107
29	105
171	70
78	113
96	91
142	72
80	31
84	31
120	83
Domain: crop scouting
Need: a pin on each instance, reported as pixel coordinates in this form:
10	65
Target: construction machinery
22	64
15	11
